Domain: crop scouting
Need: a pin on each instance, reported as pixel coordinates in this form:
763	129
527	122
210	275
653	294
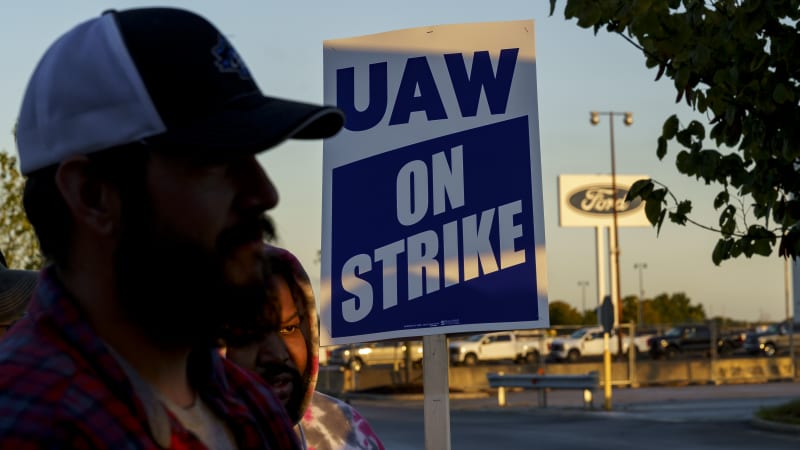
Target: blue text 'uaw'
418	90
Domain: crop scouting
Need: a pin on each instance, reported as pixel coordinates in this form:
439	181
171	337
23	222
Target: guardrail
730	370
587	383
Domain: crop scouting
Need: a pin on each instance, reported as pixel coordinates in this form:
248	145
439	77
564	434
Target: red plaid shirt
60	387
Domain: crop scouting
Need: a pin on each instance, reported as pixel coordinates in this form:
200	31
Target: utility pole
628	120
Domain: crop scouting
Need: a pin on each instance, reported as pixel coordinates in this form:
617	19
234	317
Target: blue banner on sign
438	233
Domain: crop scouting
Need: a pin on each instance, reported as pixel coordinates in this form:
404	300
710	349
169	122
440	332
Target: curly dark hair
248	328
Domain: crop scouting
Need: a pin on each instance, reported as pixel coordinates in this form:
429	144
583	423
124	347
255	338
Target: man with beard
287	359
138	133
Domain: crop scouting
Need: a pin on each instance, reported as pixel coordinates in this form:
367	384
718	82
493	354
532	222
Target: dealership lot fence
631	370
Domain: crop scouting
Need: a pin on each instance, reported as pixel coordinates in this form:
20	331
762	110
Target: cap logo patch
228	60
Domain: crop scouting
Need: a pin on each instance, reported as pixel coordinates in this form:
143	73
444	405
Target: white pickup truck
589	342
518	346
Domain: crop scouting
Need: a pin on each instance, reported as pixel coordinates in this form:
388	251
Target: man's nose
257	191
274	350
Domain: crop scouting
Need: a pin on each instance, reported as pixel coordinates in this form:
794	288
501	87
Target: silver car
375	353
774	340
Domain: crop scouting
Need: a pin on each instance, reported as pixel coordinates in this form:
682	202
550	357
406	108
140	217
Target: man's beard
175	289
269	371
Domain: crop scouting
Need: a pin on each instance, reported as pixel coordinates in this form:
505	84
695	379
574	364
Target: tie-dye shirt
331	424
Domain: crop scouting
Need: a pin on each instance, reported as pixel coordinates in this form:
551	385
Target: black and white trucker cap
160	75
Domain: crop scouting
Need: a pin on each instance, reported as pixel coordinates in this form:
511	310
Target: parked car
588	341
325	353
737	338
691	339
375	353
517	346
774	340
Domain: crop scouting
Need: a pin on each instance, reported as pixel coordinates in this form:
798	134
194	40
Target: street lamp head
594	117
628	118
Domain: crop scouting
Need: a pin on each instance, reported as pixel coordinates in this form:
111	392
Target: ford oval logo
598	200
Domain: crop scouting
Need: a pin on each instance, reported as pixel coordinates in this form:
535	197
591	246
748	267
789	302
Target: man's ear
92	201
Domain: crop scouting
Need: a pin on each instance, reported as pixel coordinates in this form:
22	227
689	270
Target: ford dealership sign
599	200
588	200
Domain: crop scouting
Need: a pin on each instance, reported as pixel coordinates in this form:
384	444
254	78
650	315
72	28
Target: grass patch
786	413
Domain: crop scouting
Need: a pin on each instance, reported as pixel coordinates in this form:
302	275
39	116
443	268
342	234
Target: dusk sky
577	72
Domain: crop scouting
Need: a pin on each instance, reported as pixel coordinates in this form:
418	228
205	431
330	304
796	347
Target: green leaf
757	62
640	188
721	251
661	151
779	211
736	249
697	130
700	56
684	208
684	162
670	127
684	137
653	207
700	101
727	221
781	94
762	246
721	199
590	15
793	210
680	215
660	222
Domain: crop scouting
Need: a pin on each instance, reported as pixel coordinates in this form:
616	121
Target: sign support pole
792	315
435	375
606	372
601	273
606	315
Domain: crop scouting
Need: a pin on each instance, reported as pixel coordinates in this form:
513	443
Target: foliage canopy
737	62
17	239
662	309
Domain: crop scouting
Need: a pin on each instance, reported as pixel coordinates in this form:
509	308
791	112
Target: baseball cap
163	76
16	288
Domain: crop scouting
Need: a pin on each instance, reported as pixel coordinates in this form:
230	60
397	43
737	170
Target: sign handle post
606	315
435	367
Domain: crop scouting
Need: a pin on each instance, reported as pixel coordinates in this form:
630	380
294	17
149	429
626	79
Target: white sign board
432	199
588	201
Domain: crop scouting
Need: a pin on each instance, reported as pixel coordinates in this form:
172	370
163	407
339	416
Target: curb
453	395
779	427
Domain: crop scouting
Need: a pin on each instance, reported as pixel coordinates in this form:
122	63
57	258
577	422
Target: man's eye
289	329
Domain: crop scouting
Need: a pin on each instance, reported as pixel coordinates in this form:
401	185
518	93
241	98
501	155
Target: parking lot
692	417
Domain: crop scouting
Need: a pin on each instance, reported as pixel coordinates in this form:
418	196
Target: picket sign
432	194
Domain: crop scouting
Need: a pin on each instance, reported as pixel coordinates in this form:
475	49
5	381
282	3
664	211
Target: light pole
791	321
583	285
639	312
594	118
